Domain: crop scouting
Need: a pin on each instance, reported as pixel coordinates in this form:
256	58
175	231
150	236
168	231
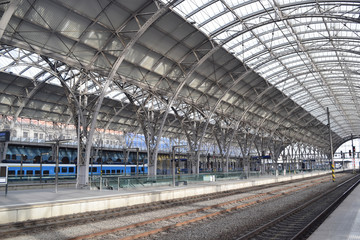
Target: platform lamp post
56	143
173	163
353	153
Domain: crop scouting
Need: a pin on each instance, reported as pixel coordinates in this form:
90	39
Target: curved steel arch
40	84
295	16
227	39
263	93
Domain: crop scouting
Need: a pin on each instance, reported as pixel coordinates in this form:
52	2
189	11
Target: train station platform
23	205
344	222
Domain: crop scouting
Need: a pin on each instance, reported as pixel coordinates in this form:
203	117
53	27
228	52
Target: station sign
4	136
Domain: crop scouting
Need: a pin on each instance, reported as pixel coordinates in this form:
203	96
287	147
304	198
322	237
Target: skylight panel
4	62
16	53
252	7
299	95
44	76
223	35
32	58
32	72
273	50
214	9
186	7
17	69
223	20
210	27
301	10
208	13
353	26
233	3
317	112
55	81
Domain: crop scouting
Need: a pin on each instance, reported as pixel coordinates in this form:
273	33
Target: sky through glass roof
307	49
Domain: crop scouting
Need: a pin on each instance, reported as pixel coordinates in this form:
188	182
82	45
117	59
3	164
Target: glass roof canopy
307	49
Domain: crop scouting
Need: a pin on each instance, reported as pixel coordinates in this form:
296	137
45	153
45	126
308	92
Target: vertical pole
57	164
173	166
118	186
144	165
331	147
353	152
101	182
91	174
137	161
78	149
101	165
21	166
41	156
126	157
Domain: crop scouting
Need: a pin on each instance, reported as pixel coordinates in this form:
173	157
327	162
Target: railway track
8	230
301	222
161	224
247	198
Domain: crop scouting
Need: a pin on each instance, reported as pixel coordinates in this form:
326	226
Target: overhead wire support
331	147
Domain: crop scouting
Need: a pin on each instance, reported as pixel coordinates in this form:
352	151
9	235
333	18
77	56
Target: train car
117	169
31	170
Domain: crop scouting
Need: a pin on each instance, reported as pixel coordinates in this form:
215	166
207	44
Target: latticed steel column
162	10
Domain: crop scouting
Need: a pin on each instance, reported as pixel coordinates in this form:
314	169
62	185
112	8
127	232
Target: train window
46	172
64	169
29	172
112	170
71	169
11	172
107	171
37	172
57	169
92	169
20	172
118	171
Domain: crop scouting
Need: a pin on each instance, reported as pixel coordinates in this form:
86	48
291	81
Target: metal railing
116	182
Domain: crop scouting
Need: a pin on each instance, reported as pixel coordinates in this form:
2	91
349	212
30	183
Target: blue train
69	170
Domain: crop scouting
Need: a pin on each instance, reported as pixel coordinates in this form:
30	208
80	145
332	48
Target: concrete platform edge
25	212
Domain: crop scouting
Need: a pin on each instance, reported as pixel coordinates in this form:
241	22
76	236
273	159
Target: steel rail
300	233
325	213
256	199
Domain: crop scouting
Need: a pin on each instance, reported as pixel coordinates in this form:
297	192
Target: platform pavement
344	222
22	205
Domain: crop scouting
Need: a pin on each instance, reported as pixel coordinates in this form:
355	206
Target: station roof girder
298	57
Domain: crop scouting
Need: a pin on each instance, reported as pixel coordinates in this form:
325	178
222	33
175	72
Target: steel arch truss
257	75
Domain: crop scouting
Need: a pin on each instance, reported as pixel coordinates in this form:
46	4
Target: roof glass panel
31	72
301	49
